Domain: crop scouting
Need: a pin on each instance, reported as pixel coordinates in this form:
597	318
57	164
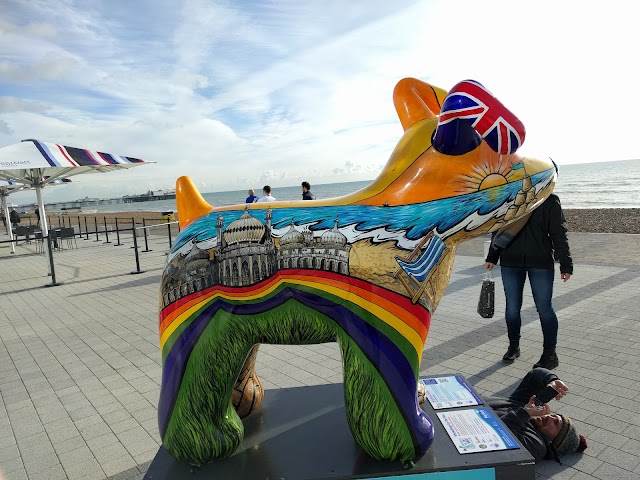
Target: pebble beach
603	220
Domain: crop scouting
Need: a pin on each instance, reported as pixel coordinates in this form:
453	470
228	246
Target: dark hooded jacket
511	412
543	237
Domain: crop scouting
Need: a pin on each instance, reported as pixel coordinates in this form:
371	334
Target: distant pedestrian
37	212
306	192
531	254
267	197
14	217
252	198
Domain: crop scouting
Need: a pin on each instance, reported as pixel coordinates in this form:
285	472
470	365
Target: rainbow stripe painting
366	270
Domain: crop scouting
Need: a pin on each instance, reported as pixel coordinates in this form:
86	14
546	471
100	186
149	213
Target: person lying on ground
545	434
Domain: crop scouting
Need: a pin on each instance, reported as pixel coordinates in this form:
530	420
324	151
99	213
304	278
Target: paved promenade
80	363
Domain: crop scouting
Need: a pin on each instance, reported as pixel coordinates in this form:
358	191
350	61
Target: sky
238	94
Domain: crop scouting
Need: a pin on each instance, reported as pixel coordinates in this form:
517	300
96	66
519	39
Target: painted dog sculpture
367	270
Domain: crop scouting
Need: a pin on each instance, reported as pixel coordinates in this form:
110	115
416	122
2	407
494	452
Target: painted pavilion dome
334	235
244	229
196	253
292	236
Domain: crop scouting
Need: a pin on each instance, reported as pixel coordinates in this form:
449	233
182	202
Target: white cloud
238	95
13	104
5	128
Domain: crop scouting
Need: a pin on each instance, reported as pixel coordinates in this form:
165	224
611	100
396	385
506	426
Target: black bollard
146	241
135	248
95	219
133	225
106	232
169	230
117	234
51	265
86	229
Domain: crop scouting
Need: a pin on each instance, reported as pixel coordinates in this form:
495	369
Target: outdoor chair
21	231
417	267
68	234
56	240
39	243
30	233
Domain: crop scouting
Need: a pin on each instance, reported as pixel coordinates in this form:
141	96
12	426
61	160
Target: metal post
117	234
51	266
146	242
135	248
133	223
106	232
86	229
169	230
43	223
95	219
9	226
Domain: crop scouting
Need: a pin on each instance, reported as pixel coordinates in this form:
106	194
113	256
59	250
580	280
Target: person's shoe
548	360
512	353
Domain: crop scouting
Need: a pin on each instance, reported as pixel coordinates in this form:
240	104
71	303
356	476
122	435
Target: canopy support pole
44	228
5	207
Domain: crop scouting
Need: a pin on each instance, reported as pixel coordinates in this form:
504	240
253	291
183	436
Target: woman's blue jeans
541	281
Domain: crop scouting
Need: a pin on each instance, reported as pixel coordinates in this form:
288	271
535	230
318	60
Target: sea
614	184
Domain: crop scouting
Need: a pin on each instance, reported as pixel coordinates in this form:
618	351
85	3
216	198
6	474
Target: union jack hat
469	114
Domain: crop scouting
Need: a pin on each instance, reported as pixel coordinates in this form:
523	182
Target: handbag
486	302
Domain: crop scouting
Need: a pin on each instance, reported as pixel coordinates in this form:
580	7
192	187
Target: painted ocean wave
411	222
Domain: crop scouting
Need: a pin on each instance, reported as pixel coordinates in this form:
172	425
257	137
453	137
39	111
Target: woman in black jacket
531	253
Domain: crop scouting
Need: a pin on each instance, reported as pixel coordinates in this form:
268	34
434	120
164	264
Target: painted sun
489	174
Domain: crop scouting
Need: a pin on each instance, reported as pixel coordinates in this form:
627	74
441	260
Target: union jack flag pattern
471	113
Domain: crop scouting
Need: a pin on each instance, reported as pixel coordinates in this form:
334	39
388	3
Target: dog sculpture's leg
387	425
248	392
203	424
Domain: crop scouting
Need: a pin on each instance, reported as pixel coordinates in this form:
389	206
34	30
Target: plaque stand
302	433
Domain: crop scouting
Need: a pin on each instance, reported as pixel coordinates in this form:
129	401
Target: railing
99	227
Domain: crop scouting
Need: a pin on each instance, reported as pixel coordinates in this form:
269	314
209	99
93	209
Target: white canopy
37	164
19	162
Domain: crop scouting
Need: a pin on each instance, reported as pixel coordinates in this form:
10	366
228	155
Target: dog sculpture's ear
469	114
416	100
190	203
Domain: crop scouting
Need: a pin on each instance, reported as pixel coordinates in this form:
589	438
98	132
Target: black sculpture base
302	433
